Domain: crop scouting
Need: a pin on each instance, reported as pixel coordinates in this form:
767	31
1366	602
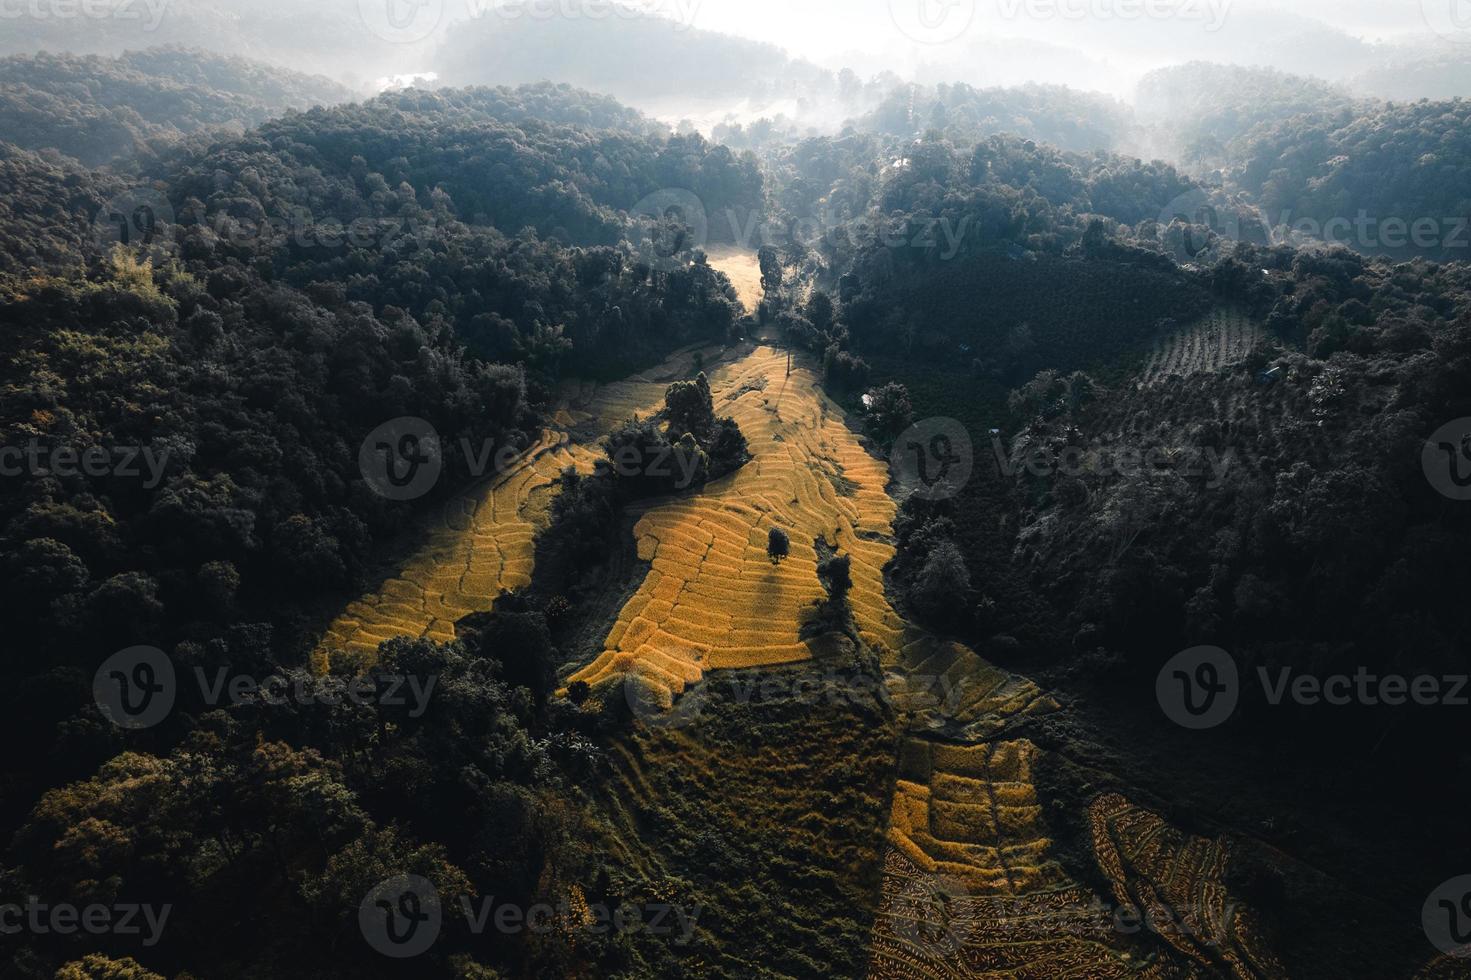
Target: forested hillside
821	709
104	110
294	289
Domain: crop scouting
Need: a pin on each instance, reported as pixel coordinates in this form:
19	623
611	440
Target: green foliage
888	411
104	110
778	545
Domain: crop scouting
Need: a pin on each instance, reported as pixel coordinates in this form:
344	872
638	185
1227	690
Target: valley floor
942	850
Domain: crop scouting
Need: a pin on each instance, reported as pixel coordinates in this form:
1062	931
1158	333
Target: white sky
822	30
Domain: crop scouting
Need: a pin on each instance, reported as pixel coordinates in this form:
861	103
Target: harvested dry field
712	598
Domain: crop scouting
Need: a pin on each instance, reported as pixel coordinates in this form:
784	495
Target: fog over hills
735	489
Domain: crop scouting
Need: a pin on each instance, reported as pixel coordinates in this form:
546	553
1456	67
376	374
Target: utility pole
789	364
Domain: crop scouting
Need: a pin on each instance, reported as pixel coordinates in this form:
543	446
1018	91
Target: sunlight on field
712	598
483	542
743	270
481	547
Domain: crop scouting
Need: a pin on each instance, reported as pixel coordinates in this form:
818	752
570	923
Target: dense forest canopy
105	110
234	277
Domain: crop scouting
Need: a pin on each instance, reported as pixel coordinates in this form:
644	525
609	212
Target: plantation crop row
1219	339
1180	879
971	886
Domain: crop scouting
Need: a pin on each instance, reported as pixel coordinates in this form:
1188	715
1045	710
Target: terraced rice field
1179	880
1222	338
484	543
481	548
712	598
972	889
971	885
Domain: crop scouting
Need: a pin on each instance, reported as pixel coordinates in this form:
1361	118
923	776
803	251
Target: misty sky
826	29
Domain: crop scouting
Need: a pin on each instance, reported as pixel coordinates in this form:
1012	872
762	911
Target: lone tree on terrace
778	545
